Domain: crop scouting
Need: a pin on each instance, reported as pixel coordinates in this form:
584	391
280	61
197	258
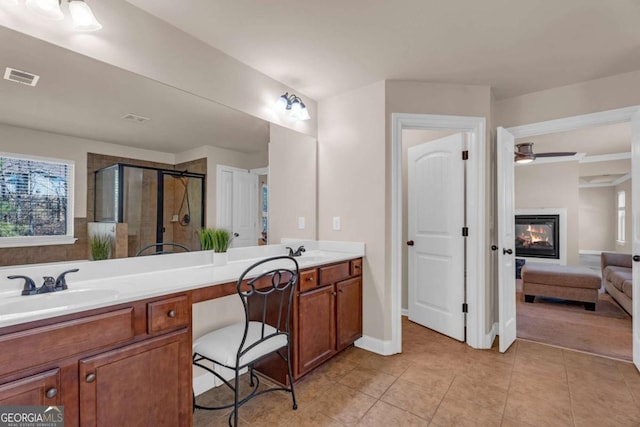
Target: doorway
475	187
506	138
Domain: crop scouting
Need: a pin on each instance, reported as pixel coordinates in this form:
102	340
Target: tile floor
437	381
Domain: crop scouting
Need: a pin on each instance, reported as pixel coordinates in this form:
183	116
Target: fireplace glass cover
537	236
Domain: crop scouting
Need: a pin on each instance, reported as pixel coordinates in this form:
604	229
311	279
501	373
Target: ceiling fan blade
557	154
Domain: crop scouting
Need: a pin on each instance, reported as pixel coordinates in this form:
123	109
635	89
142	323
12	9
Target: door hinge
465	231
465	154
465	307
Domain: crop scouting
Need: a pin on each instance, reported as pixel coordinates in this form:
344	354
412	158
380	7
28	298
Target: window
36	201
621	216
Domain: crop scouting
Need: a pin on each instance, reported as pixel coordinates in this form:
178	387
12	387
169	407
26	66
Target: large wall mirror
98	115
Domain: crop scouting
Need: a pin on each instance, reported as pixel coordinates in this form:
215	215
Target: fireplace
538	236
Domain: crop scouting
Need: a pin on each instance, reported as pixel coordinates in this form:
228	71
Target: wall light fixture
81	14
293	104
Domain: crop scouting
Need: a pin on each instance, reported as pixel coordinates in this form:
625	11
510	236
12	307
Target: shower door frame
160	173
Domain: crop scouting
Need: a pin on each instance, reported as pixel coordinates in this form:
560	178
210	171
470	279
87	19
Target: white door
635	232
237	204
506	241
245	209
436	197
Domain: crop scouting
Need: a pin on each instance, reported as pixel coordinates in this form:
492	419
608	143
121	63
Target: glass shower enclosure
158	205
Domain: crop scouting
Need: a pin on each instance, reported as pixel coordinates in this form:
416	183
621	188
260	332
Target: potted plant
100	246
218	240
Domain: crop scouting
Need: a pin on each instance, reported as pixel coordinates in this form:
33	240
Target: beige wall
603	94
170	56
352	185
626	248
292	184
552	185
597	229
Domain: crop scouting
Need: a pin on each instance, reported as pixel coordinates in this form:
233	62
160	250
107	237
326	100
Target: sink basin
55	301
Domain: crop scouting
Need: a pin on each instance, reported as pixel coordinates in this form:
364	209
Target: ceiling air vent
135	118
22	77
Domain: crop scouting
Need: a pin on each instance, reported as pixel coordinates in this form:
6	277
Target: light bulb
296	110
281	103
304	113
49	9
82	15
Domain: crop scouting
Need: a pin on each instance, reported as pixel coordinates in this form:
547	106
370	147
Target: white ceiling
82	97
327	47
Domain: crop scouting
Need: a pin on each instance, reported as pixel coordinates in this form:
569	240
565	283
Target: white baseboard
203	383
590	252
375	345
405	312
491	336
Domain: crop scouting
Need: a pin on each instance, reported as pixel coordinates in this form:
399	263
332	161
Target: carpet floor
606	331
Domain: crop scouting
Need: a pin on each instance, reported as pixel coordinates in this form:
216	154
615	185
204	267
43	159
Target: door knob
507	251
636	258
410	243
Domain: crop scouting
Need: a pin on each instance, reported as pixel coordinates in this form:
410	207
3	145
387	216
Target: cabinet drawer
308	280
48	343
167	314
334	273
356	267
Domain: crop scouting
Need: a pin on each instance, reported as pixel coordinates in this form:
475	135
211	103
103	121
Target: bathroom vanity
128	358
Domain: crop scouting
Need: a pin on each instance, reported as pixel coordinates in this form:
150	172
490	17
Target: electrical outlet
336	223
301	223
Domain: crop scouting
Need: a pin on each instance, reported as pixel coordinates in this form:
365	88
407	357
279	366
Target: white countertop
105	283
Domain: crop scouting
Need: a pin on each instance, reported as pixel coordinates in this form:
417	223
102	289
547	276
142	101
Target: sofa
616	276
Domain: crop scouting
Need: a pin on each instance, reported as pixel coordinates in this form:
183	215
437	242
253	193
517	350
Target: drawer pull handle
334	294
90	378
171	313
310	279
51	393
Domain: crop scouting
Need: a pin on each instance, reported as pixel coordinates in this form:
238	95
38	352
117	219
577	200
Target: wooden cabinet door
316	339
35	390
348	311
143	384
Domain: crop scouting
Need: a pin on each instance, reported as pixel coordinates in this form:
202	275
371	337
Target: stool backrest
266	289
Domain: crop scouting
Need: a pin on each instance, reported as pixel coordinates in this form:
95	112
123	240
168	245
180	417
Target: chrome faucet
298	252
49	285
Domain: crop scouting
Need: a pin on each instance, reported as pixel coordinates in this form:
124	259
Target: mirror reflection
182	160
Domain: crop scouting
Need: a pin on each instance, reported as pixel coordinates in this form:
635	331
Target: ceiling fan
524	153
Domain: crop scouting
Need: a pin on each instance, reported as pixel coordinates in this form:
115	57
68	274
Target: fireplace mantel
562	213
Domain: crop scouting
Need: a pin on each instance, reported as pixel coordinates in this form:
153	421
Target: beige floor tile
344	404
539	366
508	422
543	387
529	349
392	365
413	398
311	417
607	413
384	415
462	413
368	381
494	373
309	388
480	393
526	408
436	380
335	369
593	372
588	390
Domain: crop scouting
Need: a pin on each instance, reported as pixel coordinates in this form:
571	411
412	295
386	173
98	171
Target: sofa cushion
561	275
627	288
617	275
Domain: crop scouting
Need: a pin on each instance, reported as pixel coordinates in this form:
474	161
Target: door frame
475	182
600	118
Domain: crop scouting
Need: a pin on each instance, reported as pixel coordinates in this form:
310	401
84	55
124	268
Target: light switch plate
336	223
301	223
